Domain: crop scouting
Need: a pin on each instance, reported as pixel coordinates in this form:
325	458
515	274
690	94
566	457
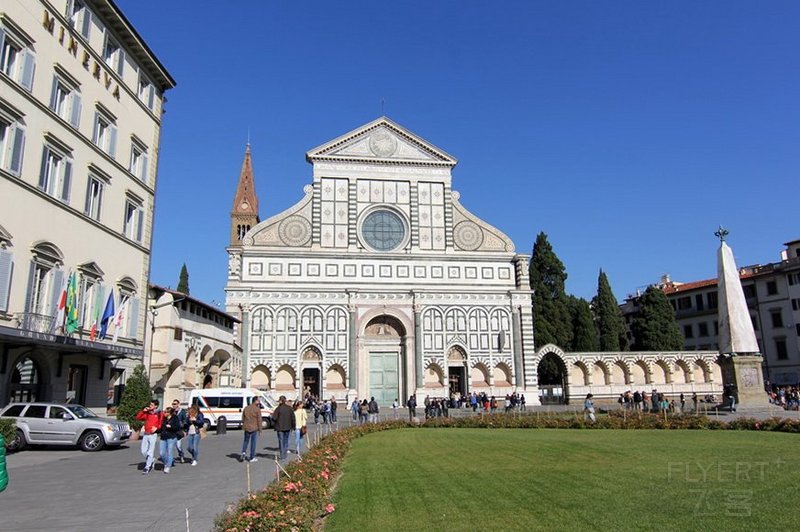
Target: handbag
203	432
303	430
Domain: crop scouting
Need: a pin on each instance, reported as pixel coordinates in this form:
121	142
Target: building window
139	161
178	334
772	288
17	59
795	304
794	278
45	280
56	173
91	299
134	215
113	54
105	133
80	17
754	321
94	197
749	291
712	300
702	329
777	319
797	328
12	142
688	331
780	349
698	301
147	92
716	328
65	101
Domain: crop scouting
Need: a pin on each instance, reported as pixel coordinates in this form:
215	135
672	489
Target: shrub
136	395
7	428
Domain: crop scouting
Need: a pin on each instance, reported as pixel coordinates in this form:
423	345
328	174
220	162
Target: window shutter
86	22
75	114
43	173
57	280
112	144
17	148
88	202
133	317
145	162
120	61
139	223
151	96
6	265
29	292
96	127
67	180
2	38
53	94
28	67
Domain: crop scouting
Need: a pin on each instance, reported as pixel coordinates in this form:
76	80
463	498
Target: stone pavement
58	489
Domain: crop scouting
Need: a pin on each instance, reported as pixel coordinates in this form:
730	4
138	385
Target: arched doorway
311	362
552	374
384	338
25	385
457	371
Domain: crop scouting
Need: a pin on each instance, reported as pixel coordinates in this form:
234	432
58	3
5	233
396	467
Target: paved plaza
66	489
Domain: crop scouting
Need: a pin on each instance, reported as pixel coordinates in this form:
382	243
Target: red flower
329	508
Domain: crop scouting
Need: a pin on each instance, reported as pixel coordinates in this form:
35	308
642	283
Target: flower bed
301	500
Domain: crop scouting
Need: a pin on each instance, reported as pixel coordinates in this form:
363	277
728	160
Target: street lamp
153	313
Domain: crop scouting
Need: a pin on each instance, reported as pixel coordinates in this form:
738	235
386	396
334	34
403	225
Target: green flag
72	304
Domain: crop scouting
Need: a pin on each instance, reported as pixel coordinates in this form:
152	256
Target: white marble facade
379	282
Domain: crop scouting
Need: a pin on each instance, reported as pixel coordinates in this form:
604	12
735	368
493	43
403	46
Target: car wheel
207	424
17	443
91	441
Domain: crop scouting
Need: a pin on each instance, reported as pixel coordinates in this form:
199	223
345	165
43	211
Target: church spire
244	215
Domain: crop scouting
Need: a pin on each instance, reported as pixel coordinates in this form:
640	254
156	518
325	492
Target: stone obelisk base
744	372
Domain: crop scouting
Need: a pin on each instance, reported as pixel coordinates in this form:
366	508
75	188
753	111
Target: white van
227	403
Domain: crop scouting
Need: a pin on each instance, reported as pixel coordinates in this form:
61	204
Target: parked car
63	424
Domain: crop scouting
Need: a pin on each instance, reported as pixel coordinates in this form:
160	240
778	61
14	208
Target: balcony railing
40	323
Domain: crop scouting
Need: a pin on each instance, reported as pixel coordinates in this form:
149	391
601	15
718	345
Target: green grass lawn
479	479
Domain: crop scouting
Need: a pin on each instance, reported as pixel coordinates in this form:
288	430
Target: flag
118	318
108	314
72	305
98	300
58	321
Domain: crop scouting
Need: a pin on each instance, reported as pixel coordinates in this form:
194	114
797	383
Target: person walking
354	408
300	424
395	406
412	408
334	407
152	418
251	425
194	424
363	412
170	430
284	424
373	410
180	413
588	408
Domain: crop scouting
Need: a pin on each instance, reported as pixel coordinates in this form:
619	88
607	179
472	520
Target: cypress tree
610	323
551	319
584	335
654	327
136	395
183	281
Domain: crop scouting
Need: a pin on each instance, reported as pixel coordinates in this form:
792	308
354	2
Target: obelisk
737	338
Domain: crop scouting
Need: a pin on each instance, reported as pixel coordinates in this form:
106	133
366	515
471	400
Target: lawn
528	479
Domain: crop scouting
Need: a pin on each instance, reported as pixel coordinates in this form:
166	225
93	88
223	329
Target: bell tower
244	215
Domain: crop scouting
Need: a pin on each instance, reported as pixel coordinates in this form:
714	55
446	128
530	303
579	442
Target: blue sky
626	131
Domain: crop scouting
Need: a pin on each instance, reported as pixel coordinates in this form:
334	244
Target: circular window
383	230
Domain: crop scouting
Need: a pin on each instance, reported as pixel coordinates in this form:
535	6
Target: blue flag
108	314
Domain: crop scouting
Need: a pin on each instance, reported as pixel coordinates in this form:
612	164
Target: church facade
378	282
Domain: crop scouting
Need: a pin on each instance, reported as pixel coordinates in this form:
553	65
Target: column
418	347
245	336
351	356
516	331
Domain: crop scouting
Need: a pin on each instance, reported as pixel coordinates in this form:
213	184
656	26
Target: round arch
434	376
261	378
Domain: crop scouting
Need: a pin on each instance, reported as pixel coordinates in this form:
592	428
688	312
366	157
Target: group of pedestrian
325	410
655	401
169	429
786	397
365	411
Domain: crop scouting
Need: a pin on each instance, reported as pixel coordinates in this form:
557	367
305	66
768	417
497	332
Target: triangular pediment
381	141
91	269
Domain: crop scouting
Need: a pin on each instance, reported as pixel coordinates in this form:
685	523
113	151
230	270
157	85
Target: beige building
192	346
80	122
772	292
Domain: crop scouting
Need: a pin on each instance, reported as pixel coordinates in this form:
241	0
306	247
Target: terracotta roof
674	288
196	301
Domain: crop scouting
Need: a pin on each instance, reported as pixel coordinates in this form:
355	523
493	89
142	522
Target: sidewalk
57	489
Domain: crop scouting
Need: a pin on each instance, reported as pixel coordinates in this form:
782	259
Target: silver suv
63	424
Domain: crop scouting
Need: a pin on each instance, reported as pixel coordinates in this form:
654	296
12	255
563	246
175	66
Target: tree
136	395
654	327
551	318
610	323
584	335
183	282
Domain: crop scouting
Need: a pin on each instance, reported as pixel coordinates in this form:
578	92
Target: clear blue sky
626	131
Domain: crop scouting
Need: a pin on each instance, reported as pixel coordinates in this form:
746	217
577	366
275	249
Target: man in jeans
251	425
179	413
284	424
152	423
